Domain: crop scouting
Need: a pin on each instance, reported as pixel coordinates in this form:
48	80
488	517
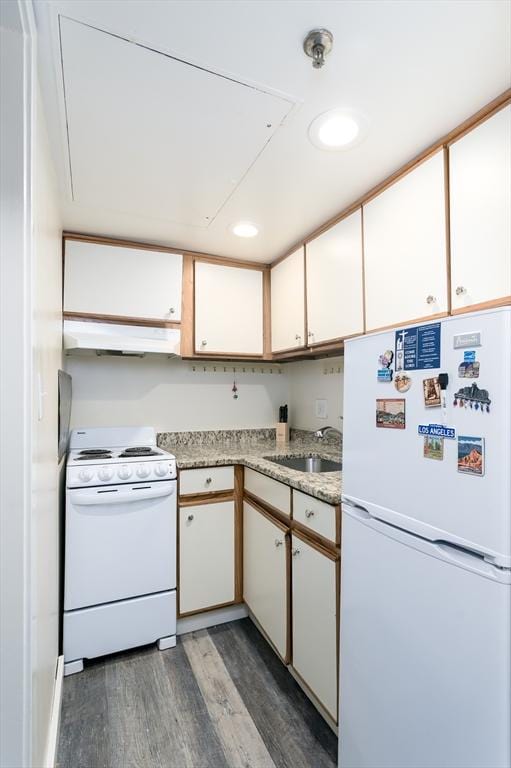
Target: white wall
46	360
166	394
310	380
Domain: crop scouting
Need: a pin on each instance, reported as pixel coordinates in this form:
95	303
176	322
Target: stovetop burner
142	452
95	452
92	455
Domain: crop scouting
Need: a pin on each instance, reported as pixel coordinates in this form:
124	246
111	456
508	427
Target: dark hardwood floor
220	699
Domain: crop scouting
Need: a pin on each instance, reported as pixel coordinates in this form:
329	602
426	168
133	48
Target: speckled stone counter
249	448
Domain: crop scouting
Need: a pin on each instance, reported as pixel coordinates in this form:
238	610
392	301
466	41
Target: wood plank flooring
220	699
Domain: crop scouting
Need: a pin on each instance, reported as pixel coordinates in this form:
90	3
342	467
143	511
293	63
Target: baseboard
211	618
50	758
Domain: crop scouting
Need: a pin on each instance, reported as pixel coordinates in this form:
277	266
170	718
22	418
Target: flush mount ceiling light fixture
337	129
244	229
317	45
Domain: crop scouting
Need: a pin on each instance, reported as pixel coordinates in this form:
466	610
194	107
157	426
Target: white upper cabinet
405	248
480	197
334	282
123	282
228	309
288	303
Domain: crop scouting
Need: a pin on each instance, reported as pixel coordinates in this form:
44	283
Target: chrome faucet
327	431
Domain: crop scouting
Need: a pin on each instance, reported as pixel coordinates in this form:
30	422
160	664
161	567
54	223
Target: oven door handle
141	493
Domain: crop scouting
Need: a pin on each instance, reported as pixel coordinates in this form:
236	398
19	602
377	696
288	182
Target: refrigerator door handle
356	509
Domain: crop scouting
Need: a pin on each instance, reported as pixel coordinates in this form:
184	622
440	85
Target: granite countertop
249	447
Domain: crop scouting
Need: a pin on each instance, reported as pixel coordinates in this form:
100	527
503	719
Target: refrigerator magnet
385	374
471	455
402	382
432	392
468	369
434	447
390	413
385	359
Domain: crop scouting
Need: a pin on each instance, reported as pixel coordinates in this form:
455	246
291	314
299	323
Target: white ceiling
155	146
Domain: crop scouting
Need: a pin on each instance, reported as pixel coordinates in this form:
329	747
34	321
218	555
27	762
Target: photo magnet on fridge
402	382
432	392
385	374
385	359
434	448
471	455
468	370
390	413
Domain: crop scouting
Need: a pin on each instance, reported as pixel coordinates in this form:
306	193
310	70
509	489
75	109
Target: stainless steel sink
306	463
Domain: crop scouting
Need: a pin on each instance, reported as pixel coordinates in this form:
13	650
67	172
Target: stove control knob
143	470
161	469
86	475
124	472
105	473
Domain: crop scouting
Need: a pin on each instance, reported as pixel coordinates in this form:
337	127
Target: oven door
120	542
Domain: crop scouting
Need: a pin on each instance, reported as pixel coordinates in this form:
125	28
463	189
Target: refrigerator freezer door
424	653
384	470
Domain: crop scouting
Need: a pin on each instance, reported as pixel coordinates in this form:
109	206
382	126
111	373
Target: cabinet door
265	574
288	303
480	197
334	282
405	248
315	621
123	282
206	556
228	309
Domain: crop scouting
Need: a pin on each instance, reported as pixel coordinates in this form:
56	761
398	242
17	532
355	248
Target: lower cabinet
266	574
206	556
315	620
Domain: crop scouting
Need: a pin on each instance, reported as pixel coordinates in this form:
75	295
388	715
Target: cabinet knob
298	337
460	290
190	518
278	542
171	310
295	552
430	300
310	334
203	343
309	513
208	480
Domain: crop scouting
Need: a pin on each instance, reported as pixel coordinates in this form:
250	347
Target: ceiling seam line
147	47
67	116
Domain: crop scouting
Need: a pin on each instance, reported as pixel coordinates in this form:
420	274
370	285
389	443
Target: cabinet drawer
316	515
277	495
206	480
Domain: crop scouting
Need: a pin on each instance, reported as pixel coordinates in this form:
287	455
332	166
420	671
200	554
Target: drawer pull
295	552
278	542
460	290
209	480
309	513
430	300
190	518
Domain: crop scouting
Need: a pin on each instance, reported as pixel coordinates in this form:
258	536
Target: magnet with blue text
437	430
385	374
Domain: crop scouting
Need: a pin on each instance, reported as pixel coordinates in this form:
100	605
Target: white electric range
120	544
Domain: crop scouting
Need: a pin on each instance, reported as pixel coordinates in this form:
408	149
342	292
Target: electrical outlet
321	409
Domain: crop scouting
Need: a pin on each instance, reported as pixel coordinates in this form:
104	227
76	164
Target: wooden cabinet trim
187	306
308	539
270	513
213	497
89	317
447	203
206	610
494	304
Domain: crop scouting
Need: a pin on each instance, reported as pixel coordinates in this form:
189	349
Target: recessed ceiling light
337	129
245	229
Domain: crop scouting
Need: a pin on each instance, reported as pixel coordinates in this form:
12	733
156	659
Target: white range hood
109	338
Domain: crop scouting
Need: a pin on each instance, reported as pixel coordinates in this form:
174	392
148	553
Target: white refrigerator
425	627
